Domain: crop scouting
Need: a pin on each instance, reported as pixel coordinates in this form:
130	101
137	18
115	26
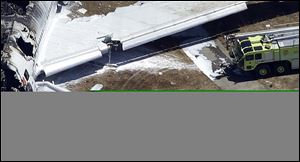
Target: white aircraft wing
68	43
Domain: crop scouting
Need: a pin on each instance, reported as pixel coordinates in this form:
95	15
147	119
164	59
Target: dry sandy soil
142	80
255	18
103	7
187	78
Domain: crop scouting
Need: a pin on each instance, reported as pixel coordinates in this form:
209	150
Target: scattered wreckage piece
22	28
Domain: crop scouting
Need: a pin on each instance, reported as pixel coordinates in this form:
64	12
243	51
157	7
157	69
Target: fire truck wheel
263	71
281	69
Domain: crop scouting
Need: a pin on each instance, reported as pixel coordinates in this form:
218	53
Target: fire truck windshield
237	51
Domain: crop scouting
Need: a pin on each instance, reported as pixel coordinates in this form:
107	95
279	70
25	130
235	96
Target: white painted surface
176	17
133	25
51	68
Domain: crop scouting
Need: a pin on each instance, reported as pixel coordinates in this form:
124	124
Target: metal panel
268	56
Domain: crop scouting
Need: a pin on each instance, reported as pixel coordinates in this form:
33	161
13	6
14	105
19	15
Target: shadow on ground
247	76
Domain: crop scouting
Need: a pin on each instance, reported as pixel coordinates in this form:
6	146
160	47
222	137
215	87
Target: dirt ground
171	79
255	18
189	78
288	82
103	7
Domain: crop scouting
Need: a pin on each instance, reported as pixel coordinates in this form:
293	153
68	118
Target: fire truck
267	52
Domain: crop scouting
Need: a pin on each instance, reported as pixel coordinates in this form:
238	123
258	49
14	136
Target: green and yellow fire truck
266	52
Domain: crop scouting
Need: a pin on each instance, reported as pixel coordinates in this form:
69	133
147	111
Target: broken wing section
187	18
71	42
